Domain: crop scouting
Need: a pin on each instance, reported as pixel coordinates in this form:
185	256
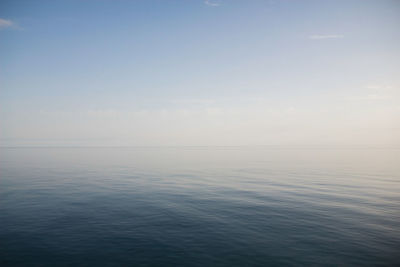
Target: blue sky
227	72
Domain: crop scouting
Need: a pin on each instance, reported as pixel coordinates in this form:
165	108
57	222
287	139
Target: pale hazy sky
194	72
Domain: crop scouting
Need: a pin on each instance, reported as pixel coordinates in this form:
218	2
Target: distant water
199	206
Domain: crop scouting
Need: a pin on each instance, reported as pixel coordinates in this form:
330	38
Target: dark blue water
199	206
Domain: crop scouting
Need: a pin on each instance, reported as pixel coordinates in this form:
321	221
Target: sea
199	206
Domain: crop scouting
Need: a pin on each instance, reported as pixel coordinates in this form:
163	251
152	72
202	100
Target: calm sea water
199	206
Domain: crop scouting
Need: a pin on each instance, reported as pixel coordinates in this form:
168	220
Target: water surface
199	206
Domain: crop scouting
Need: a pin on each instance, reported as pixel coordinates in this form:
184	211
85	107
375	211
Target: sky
199	73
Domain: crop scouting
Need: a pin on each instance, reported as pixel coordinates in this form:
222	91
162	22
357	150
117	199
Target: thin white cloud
377	96
380	87
325	36
210	3
5	23
382	91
